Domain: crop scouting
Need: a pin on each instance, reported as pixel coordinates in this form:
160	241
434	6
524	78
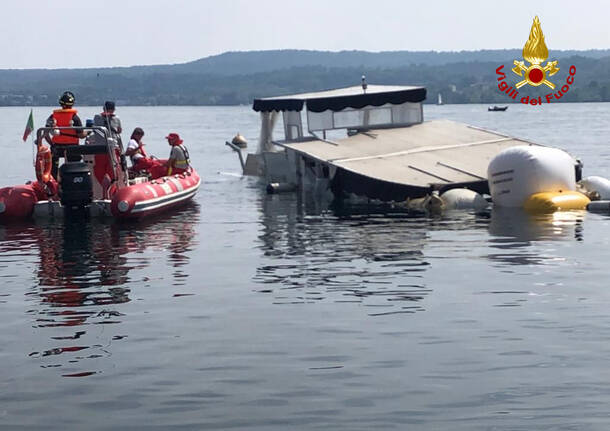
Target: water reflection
513	231
82	276
77	262
378	256
370	255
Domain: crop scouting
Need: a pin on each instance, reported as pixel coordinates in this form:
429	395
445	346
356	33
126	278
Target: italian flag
29	127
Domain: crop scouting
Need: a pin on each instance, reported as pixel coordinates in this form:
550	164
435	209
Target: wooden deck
430	154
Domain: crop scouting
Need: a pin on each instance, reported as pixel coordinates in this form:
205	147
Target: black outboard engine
75	188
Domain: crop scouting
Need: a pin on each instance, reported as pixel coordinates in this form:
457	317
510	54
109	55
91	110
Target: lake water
258	312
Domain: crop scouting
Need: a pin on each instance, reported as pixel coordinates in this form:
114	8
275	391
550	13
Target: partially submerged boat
100	185
384	149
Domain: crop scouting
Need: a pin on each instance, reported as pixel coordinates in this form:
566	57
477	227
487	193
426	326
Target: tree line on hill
239	77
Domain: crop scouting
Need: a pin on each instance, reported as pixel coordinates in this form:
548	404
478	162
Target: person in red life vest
64	138
179	160
112	123
139	159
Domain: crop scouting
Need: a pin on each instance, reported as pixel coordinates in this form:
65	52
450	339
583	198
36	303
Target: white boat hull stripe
152	190
177	183
165	200
147	206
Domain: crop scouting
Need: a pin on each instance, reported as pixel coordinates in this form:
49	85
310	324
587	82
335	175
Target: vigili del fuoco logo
536	74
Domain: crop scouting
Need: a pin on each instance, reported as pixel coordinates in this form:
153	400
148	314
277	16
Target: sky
107	33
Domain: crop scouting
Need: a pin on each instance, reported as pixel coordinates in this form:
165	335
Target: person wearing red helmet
179	160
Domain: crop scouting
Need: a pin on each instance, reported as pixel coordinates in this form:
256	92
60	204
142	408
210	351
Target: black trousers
58	151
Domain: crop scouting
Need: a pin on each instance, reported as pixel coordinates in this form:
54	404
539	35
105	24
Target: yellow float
548	202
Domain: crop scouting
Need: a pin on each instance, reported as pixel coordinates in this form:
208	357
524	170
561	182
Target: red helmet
174	139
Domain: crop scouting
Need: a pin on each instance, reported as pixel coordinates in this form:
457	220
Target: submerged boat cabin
353	108
371	141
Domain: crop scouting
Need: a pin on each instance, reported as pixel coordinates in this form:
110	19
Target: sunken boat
370	141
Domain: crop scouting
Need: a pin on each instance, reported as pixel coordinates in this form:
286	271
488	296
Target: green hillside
238	77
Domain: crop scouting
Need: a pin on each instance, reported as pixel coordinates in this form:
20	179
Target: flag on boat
29	127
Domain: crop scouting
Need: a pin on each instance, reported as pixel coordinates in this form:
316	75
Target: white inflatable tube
597	184
518	172
463	199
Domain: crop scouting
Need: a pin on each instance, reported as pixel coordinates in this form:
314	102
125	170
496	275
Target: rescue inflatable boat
82	190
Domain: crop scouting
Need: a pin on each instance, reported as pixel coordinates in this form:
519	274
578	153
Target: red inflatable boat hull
17	202
130	202
152	197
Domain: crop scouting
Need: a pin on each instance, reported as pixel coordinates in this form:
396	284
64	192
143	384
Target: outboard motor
75	189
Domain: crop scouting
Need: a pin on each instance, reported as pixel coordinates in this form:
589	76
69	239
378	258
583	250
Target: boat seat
138	174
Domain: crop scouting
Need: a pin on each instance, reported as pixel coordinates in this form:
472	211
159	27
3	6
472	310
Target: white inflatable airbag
463	199
597	184
518	172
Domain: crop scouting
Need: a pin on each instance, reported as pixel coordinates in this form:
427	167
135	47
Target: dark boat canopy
339	99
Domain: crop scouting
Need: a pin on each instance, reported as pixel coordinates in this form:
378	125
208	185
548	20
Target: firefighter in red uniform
62	139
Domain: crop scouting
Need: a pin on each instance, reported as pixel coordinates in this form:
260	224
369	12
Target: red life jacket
63	118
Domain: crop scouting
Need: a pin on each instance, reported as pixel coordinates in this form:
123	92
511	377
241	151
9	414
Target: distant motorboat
497	108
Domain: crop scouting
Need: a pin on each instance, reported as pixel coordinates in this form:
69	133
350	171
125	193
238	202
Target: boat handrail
106	147
42	130
314	137
84	150
238	151
326	141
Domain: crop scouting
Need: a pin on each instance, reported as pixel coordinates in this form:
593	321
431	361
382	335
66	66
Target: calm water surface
248	311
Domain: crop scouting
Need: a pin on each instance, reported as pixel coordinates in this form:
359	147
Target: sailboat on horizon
440	99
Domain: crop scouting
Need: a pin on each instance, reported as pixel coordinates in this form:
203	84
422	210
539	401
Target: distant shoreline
51	107
235	78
